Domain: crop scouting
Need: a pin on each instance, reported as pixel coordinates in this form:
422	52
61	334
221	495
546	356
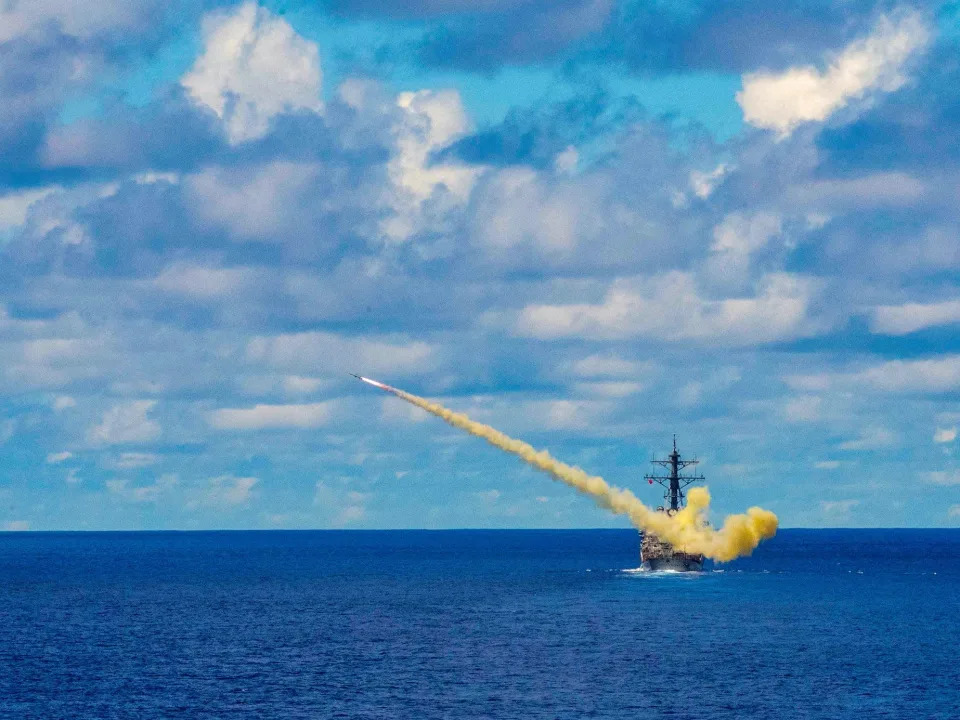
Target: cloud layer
211	213
783	101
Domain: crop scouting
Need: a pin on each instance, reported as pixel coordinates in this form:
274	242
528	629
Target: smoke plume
686	530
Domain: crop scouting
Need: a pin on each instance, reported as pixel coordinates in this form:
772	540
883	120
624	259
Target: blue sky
591	224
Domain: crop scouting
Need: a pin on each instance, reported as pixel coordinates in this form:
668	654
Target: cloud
261	417
805	408
393	411
702	35
671	307
827	464
692	393
54	362
612	216
610	389
254	67
600	365
299	385
15	206
201	282
704	183
870	191
341	506
910	317
224	492
488	497
16	526
131	460
63	402
59	457
570	414
7	429
838	508
932	375
143	493
263	269
953	511
735	241
898	132
873	438
429	120
784	101
52	53
943	478
945	435
741	234
78	21
315	351
257	203
125	423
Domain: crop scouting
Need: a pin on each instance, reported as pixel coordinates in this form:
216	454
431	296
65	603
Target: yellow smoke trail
687	530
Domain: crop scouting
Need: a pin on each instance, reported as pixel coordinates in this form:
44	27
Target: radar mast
674	483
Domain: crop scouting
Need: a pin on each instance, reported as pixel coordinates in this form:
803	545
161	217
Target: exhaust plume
687	530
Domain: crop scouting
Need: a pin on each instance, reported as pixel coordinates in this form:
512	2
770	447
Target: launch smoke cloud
687	529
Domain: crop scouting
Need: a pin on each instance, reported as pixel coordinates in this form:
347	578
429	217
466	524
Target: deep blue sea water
475	624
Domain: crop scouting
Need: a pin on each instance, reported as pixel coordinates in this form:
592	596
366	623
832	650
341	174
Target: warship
657	554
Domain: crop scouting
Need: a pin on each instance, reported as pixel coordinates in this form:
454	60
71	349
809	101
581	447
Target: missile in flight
380	385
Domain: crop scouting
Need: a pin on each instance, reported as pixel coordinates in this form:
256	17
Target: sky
591	224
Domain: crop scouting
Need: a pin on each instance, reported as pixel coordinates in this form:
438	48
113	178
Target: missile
382	386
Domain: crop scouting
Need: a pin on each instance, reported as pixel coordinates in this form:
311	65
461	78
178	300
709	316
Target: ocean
475	624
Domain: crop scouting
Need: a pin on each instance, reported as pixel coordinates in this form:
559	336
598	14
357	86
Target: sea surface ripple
475	624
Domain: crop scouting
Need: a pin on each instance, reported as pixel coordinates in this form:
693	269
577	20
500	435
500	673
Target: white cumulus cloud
340	506
224	491
254	66
873	438
743	234
199	281
429	120
838	508
736	240
142	493
945	435
932	375
783	101
805	408
15	206
79	20
599	365
62	402
943	477
259	204
131	460
671	306
271	416
910	317
321	351
59	457
125	423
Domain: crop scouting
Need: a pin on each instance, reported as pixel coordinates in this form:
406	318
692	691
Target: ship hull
659	556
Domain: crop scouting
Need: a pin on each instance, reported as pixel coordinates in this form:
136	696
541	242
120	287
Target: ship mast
674	482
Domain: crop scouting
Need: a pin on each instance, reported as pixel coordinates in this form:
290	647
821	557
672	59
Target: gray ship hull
659	556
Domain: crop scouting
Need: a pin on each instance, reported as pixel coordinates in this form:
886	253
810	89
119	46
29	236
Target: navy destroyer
657	554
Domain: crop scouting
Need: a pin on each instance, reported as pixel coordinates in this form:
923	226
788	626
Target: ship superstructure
657	554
